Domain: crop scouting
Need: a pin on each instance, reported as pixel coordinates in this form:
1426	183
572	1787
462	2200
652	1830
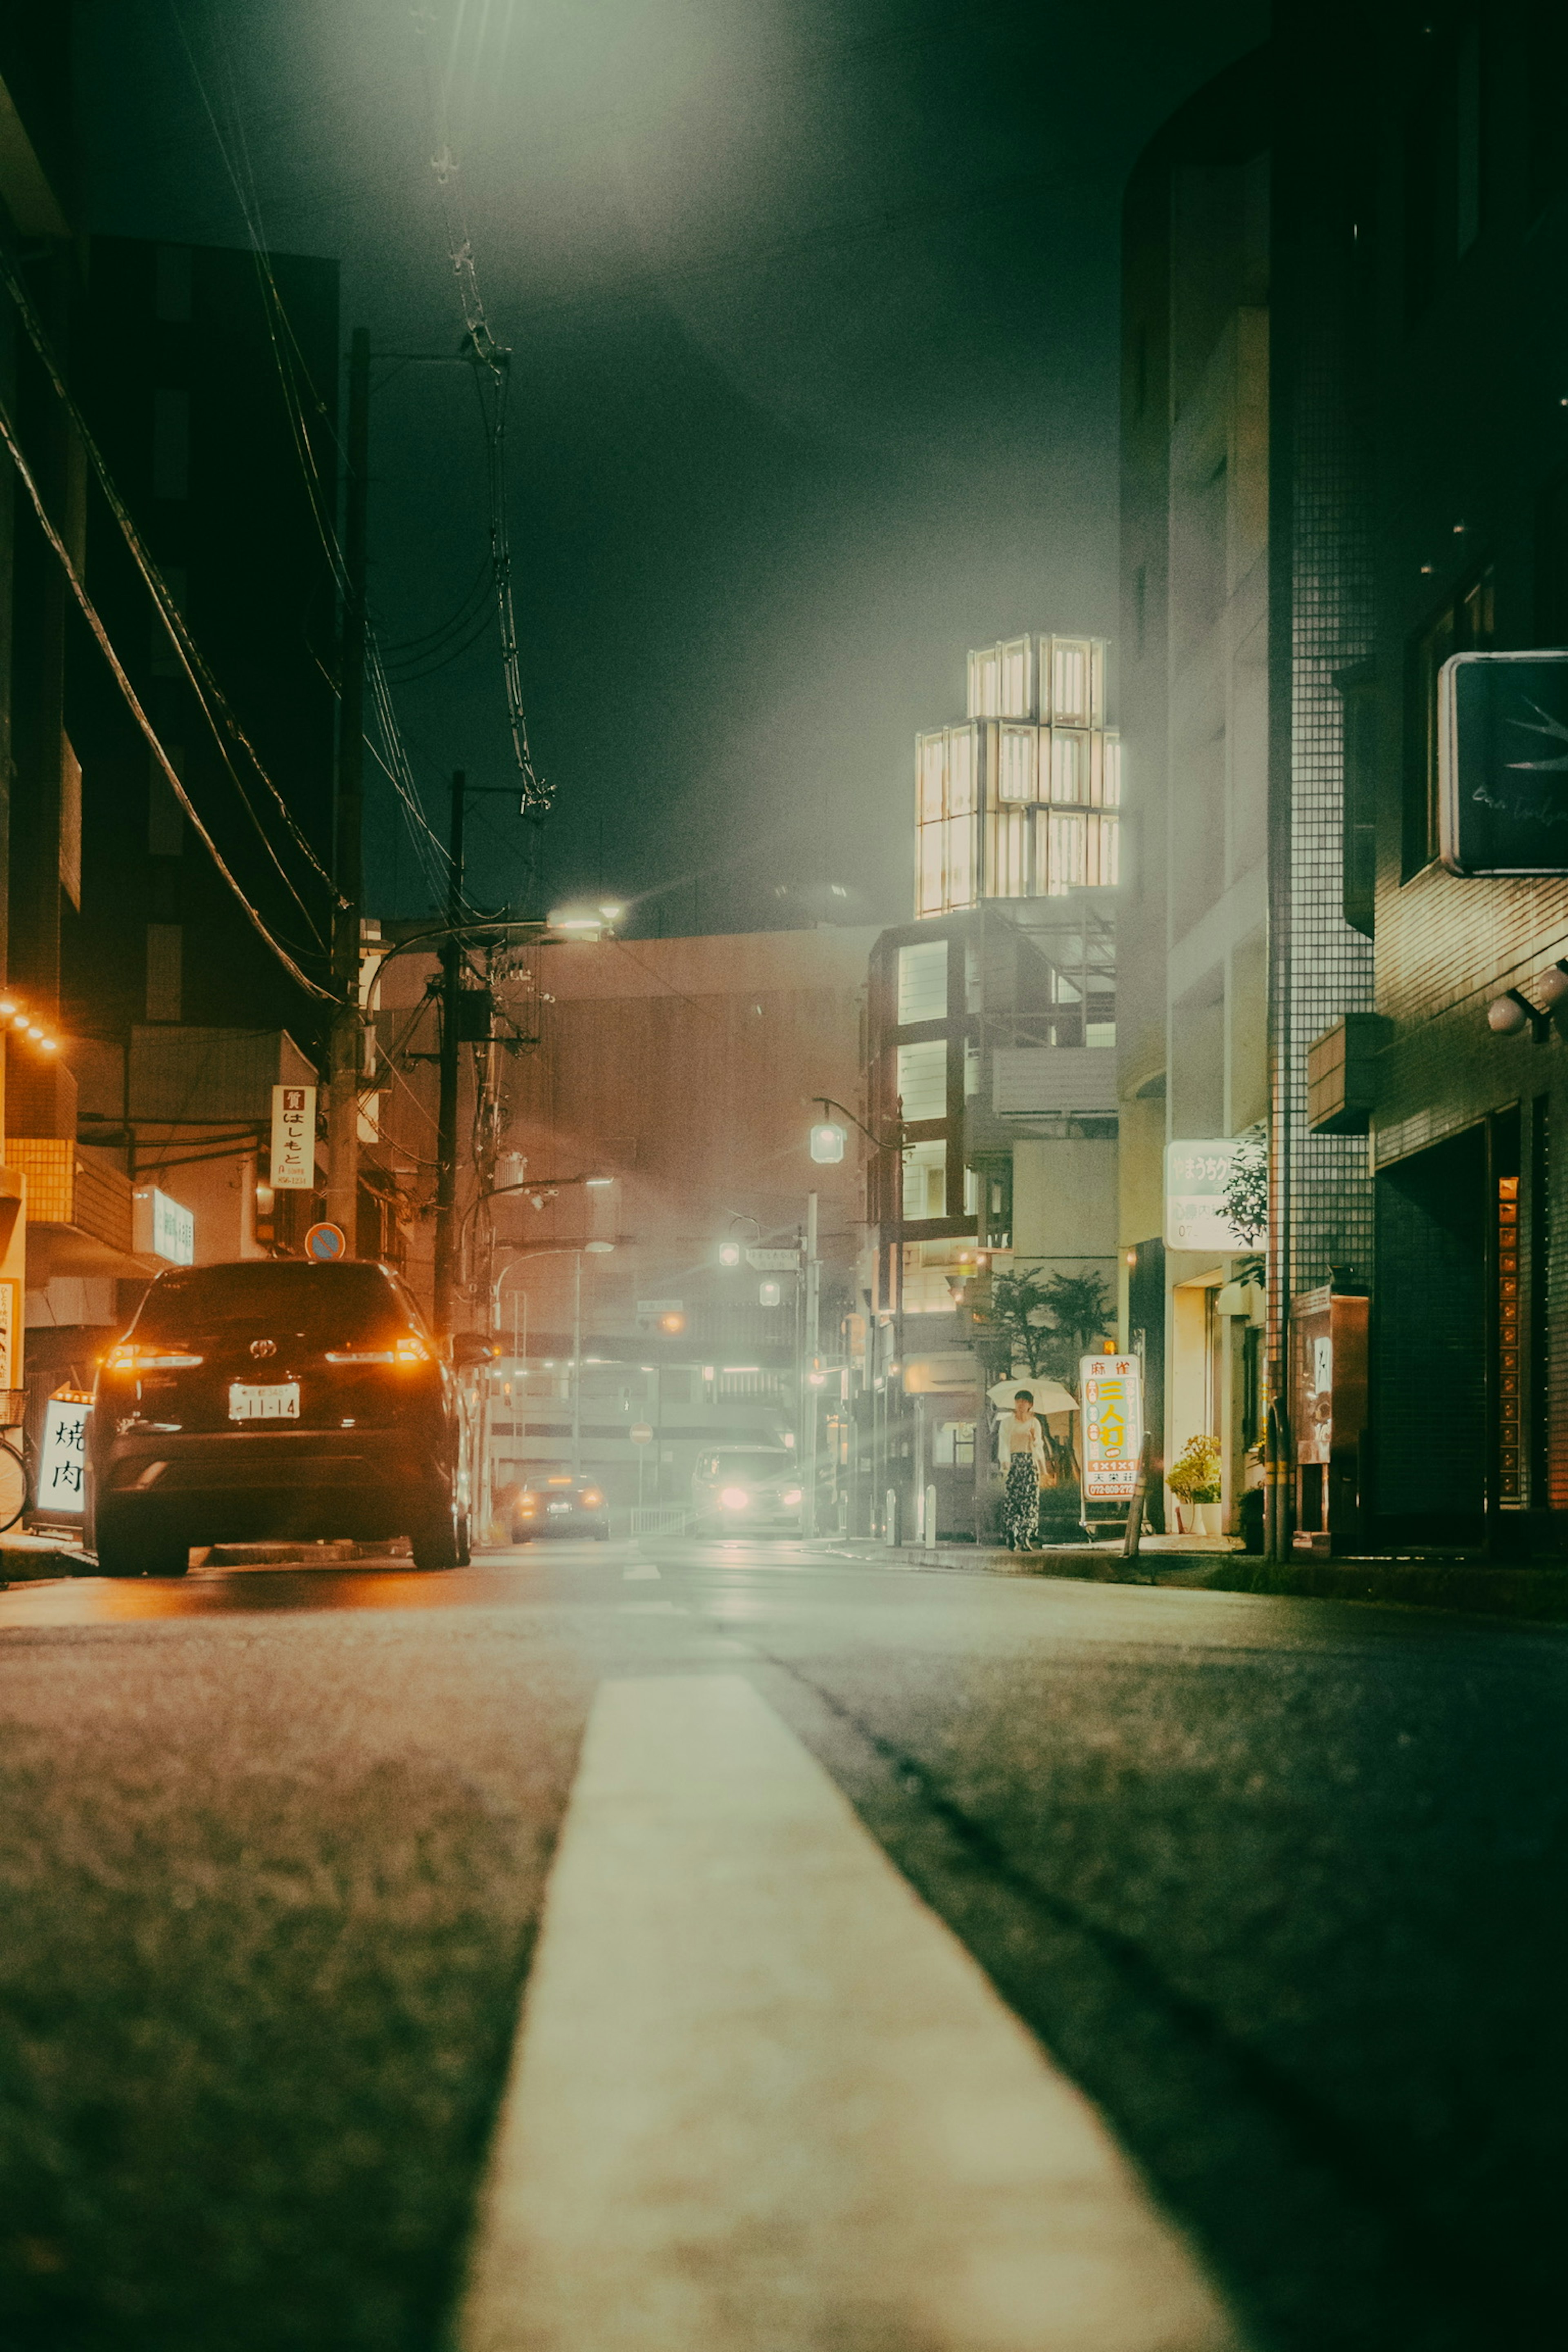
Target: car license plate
558	1507
277	1401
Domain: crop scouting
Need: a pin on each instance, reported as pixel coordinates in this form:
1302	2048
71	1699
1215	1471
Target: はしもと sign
293	1138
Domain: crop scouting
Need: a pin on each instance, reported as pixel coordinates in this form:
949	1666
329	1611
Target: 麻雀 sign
1110	1405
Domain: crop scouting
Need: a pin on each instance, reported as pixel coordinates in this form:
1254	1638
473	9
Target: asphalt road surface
1279	1886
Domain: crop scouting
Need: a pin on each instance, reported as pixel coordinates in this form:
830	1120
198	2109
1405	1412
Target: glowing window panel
922	983
962	764
930	771
1069	767
1017	772
1007	855
926	1181
921	1078
959	862
1015	663
1066	854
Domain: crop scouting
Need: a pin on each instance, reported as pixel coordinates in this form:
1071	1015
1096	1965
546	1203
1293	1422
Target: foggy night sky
813	306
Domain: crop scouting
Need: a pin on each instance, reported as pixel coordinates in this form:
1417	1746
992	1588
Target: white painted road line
642	1568
762	2100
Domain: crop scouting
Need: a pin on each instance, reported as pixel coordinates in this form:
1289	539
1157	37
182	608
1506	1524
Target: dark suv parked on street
275	1400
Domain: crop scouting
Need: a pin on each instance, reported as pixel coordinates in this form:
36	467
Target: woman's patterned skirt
1021	1504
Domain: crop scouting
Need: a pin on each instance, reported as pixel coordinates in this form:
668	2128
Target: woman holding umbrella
1023	1442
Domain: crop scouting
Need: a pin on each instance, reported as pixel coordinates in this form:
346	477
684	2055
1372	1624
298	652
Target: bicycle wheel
15	1496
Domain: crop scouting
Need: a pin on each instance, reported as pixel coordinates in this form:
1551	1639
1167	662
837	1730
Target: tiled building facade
1417	507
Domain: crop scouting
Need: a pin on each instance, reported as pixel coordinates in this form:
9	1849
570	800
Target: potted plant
1193	1479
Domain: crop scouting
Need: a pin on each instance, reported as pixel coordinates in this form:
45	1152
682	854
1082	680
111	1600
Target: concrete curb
36	1559
1472	1586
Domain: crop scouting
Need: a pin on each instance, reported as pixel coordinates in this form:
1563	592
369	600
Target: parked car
747	1490
276	1400
554	1503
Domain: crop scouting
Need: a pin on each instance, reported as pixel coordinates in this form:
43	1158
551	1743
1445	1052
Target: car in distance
276	1400
554	1503
747	1490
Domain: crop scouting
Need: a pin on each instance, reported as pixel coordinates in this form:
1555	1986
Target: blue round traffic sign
325	1242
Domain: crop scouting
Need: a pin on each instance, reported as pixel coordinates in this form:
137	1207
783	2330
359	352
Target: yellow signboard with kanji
1111	1389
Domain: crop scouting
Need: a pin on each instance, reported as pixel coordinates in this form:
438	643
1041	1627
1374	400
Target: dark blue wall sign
1502	763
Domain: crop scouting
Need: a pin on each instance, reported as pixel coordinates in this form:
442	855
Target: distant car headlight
734	1498
793	1495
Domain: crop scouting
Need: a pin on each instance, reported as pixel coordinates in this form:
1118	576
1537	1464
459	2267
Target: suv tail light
125	1356
591	1499
408	1349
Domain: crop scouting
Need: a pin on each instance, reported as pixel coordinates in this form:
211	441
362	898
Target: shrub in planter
1195	1475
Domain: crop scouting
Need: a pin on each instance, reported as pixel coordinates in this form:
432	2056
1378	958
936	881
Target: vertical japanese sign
293	1138
10	1330
63	1454
1110	1394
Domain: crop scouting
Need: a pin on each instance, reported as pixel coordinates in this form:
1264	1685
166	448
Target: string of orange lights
15	1014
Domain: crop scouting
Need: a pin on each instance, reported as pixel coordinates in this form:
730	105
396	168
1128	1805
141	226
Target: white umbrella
1049	1396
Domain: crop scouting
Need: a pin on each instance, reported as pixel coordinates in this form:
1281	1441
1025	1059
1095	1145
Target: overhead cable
493	371
214	704
90	615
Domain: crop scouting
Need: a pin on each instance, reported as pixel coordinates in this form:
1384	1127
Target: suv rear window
333	1302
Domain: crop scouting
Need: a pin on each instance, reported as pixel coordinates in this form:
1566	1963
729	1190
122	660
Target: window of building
922	983
1464	625
922	1079
165	972
926	1181
165	817
172	284
1546	71
1445	160
71	823
171	445
1552	561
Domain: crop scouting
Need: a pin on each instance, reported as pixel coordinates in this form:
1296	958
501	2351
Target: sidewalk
1471	1585
32	1560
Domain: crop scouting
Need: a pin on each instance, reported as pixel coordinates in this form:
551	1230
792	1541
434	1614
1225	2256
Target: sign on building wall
293	1138
165	1228
62	1456
10	1331
1502	763
1206	1184
1110	1393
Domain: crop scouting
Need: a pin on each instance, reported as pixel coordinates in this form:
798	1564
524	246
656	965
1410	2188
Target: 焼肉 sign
1111	1392
1502	763
63	1454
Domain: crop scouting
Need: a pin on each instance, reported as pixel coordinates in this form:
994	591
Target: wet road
1279	1884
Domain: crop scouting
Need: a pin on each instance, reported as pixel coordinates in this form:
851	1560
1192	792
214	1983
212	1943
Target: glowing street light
729	1252
827	1142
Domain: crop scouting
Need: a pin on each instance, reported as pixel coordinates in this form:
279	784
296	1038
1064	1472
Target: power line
90	614
213	702
493	374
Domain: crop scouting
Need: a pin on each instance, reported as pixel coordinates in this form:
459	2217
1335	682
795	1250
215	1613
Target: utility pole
577	1363
811	1399
447	1112
344	1047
